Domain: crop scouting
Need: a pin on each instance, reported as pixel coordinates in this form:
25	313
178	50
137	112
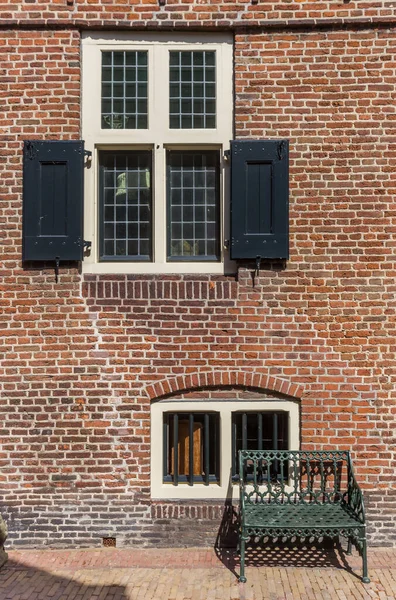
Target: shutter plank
53	179
258	198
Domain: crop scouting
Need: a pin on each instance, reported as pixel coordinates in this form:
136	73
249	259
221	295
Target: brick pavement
195	574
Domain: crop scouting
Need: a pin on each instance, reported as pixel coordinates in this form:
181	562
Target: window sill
182	268
213	491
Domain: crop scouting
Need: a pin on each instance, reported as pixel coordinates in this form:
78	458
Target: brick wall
192	14
82	359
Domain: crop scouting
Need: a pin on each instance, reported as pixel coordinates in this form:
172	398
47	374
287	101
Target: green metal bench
287	493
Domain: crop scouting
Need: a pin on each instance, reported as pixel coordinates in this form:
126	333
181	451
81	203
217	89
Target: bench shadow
326	553
18	580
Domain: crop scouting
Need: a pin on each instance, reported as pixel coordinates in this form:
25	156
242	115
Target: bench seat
309	516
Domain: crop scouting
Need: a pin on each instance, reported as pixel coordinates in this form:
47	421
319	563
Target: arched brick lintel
212	379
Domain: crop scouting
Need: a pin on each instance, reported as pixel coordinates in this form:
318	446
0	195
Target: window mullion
175	449
206	448
159	205
158	122
191	449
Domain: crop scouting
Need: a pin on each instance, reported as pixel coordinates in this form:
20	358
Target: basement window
195	443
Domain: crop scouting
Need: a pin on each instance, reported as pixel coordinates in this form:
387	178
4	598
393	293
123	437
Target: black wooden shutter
53	200
259	199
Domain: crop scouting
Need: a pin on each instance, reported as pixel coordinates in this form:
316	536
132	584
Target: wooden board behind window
184	448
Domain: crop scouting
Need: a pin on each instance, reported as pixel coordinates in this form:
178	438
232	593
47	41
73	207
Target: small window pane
142	122
109	247
142	58
193	180
124	78
125	197
192	76
106	58
211	120
191	448
130	57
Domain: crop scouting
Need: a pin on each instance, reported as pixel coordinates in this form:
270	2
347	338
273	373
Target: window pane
192	76
258	431
125	205
193	179
124	80
191	447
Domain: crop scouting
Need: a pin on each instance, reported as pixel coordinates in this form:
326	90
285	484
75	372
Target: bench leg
242	543
349	549
365	577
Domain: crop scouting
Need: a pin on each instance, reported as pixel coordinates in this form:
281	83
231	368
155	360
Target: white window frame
225	408
158	138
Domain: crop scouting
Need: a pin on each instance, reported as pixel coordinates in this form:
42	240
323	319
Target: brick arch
211	379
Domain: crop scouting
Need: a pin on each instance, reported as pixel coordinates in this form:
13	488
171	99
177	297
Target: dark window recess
124	89
125	205
259	431
192	89
191	448
193	205
259	199
53	200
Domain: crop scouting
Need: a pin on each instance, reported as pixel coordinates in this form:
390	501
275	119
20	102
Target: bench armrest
355	495
242	500
241	487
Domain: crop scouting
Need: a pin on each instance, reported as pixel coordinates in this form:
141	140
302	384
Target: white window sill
147	268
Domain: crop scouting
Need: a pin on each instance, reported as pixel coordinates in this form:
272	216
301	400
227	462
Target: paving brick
149	574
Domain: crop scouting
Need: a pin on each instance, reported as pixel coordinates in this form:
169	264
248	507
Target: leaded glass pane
192	76
193	205
124	89
125	204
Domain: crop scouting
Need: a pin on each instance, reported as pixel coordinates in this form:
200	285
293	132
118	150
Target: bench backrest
293	476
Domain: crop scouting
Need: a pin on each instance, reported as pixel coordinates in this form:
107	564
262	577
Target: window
194	444
157	117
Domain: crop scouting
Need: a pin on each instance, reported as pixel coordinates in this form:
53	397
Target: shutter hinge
56	268
258	264
87	245
227	154
30	150
256	272
281	149
88	156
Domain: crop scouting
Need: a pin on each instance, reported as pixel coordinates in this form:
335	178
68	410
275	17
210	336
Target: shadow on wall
21	581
